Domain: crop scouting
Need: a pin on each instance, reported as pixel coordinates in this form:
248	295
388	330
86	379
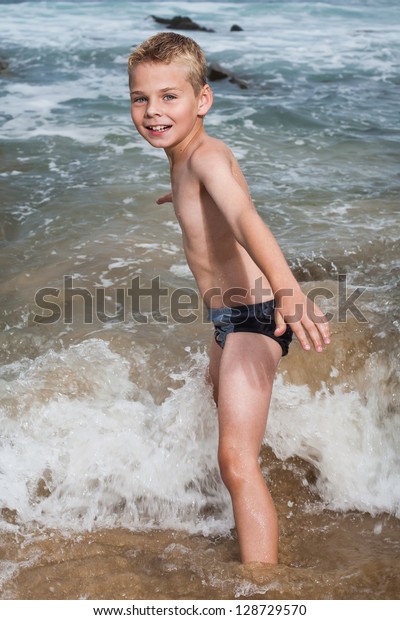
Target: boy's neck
181	151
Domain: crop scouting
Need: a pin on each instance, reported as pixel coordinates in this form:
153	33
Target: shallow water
109	480
324	555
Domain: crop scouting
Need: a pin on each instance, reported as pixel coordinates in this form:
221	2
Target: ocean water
109	486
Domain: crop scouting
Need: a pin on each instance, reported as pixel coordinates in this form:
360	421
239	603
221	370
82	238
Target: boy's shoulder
209	155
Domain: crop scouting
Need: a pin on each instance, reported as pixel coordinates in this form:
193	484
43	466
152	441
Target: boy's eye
138	99
169	97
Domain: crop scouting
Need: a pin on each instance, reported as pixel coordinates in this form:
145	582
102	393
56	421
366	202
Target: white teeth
158	127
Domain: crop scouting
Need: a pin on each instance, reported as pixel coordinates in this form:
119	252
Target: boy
252	296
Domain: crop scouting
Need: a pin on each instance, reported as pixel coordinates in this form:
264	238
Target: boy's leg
213	367
244	380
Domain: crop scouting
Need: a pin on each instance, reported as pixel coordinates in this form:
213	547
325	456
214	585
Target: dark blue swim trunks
253	318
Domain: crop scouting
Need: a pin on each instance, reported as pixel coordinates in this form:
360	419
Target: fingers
306	330
166	198
280	324
313	326
320	322
308	322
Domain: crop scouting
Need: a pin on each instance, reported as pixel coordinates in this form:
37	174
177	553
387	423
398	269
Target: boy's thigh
215	354
252	358
247	369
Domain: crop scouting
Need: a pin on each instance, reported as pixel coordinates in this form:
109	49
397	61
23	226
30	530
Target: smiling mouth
158	128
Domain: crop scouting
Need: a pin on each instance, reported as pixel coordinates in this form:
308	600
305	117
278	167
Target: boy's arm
293	307
166	198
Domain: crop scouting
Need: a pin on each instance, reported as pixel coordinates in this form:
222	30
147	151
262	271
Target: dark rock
3	65
215	72
236	28
180	23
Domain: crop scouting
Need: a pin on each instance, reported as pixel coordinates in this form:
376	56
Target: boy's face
164	107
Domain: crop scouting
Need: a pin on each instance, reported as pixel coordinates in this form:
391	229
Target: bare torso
224	272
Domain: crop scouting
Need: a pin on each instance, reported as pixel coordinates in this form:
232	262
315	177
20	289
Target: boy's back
224	271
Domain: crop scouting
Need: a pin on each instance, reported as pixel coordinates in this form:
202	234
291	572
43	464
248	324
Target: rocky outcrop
215	72
180	23
3	65
236	28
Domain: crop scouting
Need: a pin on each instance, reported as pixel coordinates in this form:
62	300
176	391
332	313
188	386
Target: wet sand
323	555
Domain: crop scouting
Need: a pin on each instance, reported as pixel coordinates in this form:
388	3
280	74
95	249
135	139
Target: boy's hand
304	317
162	199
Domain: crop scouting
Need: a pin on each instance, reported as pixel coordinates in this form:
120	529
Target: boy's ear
205	100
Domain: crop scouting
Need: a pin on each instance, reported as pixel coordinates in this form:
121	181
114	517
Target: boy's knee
234	468
228	470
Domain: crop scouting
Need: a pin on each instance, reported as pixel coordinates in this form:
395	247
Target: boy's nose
152	109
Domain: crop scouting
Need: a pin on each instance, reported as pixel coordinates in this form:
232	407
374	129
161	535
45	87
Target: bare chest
199	218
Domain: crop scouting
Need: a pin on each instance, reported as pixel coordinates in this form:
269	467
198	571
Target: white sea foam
350	438
84	446
121	262
181	270
75	425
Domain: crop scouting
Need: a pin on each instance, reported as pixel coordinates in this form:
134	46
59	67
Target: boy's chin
156	146
158	143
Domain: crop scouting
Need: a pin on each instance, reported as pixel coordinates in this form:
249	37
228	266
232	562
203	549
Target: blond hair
167	47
